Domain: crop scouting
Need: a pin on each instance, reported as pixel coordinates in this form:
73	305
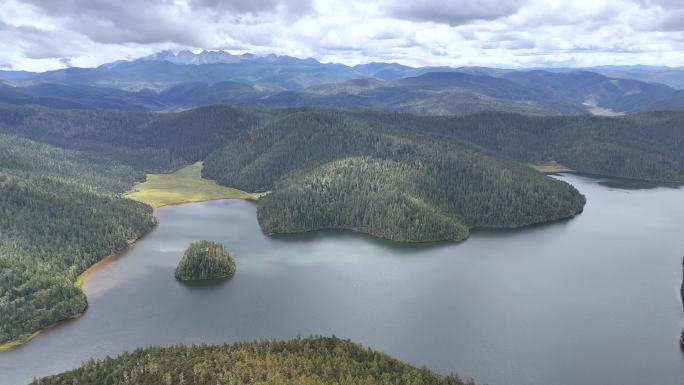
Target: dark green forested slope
59	214
333	169
642	146
647	146
151	142
310	361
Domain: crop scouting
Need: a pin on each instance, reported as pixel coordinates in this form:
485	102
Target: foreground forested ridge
329	361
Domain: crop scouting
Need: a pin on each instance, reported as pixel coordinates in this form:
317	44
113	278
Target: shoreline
185	185
658	182
253	198
11	345
471	231
78	282
104	262
81	278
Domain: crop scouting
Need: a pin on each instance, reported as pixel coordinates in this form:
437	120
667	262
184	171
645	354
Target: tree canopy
205	260
320	361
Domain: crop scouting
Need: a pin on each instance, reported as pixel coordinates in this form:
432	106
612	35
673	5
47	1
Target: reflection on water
592	300
631	184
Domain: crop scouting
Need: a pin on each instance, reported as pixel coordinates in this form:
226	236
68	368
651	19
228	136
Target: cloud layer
48	34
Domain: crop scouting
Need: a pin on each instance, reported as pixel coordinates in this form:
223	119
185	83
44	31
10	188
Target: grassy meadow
183	186
551	168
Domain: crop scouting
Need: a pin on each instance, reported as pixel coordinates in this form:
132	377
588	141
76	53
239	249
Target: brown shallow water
592	300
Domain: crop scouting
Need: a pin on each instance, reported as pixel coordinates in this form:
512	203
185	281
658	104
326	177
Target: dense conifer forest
205	260
330	169
648	146
300	361
59	214
393	175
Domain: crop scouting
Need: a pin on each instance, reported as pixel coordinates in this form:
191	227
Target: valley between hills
400	154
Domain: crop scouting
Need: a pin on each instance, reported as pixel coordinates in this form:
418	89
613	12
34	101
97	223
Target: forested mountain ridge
60	214
334	169
328	361
647	146
145	141
641	146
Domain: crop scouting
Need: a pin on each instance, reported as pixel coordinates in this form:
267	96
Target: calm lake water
593	300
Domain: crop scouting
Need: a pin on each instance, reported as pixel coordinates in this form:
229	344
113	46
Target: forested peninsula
329	361
391	179
63	174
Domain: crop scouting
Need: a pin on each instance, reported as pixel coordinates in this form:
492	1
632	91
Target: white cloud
47	34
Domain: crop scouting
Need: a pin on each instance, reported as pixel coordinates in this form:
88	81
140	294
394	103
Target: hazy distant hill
673	103
594	90
671	76
436	93
283	71
169	81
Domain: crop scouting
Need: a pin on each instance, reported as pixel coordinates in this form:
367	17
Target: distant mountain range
171	81
671	76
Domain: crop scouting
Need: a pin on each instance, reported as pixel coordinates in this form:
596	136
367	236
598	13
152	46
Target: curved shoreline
78	282
81	278
102	263
471	231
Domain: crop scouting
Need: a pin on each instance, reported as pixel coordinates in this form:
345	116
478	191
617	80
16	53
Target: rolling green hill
324	361
365	172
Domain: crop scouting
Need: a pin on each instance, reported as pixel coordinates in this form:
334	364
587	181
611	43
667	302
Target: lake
592	300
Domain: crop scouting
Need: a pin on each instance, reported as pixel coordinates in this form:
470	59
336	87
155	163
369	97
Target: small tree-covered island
205	260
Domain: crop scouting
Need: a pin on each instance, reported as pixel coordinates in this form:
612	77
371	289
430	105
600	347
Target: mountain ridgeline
324	361
169	82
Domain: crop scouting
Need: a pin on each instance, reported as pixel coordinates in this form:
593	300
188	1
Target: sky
39	35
